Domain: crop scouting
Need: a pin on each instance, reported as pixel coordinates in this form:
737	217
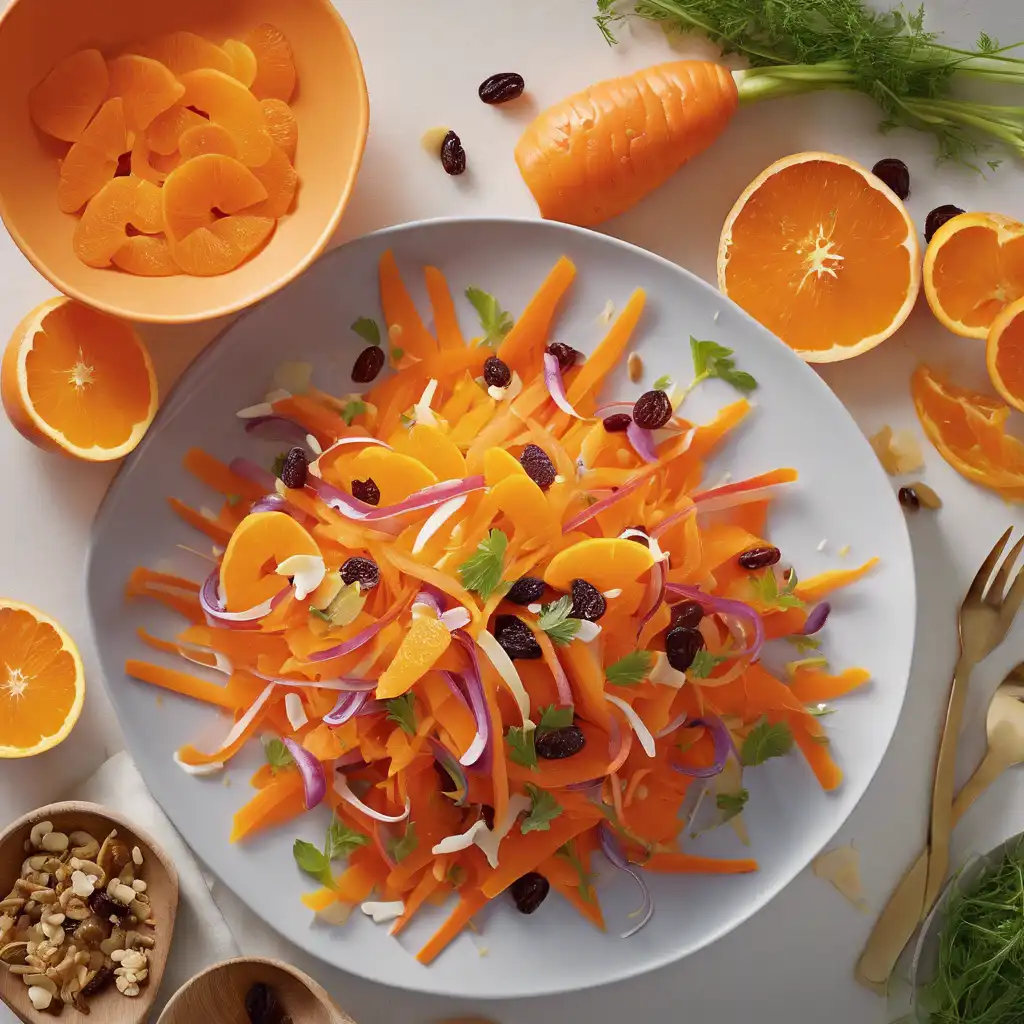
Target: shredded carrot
280	800
179	682
469	905
529	334
446	322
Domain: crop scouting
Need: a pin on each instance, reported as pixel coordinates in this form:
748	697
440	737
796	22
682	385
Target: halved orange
63	103
78	381
92	161
823	254
42	682
973	269
147	87
275	65
1004	353
231	105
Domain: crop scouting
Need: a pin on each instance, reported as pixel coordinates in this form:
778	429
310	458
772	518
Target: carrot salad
498	628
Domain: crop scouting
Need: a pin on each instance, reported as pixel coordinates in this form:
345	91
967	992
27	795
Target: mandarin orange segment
42	684
211	180
148	215
185	51
232	106
222	246
396	475
1004	353
102	228
92	161
275	75
147	87
608	563
283	127
243	61
280	180
206	138
147	256
150	166
427	639
63	103
166	129
823	254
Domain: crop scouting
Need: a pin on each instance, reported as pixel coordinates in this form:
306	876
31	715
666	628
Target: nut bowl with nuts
88	916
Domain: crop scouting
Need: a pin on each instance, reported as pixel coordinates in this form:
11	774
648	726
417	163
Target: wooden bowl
108	1007
330	106
217	995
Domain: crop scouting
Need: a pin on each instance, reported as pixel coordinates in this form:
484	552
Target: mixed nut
77	920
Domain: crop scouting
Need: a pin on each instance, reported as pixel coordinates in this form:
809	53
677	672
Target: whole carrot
597	153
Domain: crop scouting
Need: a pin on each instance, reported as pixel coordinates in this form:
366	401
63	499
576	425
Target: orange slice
185	51
281	124
1004	353
206	138
147	87
823	254
148	215
243	61
222	246
973	269
63	103
193	190
166	129
231	105
147	256
150	166
78	381
280	180
607	562
396	475
42	682
92	161
102	229
275	74
427	639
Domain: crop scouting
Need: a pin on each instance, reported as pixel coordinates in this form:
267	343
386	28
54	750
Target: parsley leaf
233	499
767	590
553	717
544	810
313	862
568	852
713	360
367	329
277	466
482	571
804	644
495	321
402	711
731	804
630	669
397	354
766	740
342	840
403	845
456	876
704	664
555	620
522	749
277	754
663	383
350	410
319	613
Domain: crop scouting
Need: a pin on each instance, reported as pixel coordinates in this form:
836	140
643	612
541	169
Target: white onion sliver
222	663
556	387
490	841
198	770
649	540
255	412
296	713
662	672
503	663
246	720
456	618
588	631
436	520
342	789
643	734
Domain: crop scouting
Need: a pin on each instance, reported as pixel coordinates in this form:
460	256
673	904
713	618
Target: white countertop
424	61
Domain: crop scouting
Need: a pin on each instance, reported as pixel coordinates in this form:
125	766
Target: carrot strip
279	801
143	579
499	768
426	885
609	352
817	755
817	587
179	682
810	685
469	905
685	863
446	322
219	477
590	909
400	313
523	345
217	533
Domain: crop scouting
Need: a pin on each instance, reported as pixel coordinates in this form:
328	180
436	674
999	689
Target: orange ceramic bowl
330	106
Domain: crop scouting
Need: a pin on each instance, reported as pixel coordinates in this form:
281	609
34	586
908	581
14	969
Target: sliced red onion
277	428
478	755
347	706
612	849
590	786
372	707
341	787
817	618
364	636
277	503
344	684
729	610
352	760
447	761
669	521
642	442
430	598
209	601
556	386
609	409
723	747
314	779
428	497
743	492
598	507
561	679
655	596
255	474
355	439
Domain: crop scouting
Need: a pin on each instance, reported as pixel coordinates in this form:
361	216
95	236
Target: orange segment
92	161
275	75
206	138
63	103
193	190
146	86
607	562
222	246
259	544
1004	353
166	129
102	228
396	475
185	51
428	638
148	215
231	105
42	683
78	381
147	256
281	124
278	177
823	254
243	61
151	166
973	268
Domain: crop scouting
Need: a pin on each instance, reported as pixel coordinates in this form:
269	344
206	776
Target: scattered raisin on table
502	87
295	469
497	373
565	354
539	467
556	744
261	1005
682	645
366	491
938	217
760	557
453	156
617	422
368	364
909	499
895	174
587	601
529	891
516	638
363	571
653	409
688	614
526	590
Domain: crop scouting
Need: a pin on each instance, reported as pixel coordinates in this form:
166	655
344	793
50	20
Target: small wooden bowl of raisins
252	990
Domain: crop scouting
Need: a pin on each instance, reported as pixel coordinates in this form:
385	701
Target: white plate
843	495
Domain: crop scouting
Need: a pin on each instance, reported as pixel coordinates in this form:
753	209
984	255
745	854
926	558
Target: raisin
363	571
587	601
516	638
565	354
653	409
759	558
261	1005
502	87
909	499
539	468
102	979
124	166
895	174
526	590
682	645
617	422
487	813
556	744
368	364
103	906
496	372
295	469
529	891
938	217
687	614
453	156
366	490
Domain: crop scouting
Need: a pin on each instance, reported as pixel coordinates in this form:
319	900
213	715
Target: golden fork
985	617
